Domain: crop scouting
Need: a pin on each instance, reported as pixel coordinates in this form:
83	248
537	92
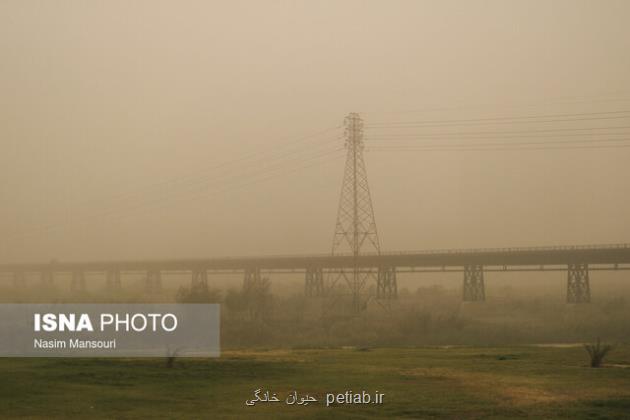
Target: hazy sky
149	129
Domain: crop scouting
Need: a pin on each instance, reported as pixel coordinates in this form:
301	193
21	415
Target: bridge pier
78	281
252	280
199	281
256	293
474	287
314	282
578	284
19	280
47	278
153	282
112	280
386	284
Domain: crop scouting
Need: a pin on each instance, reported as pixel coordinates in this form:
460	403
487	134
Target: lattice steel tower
355	231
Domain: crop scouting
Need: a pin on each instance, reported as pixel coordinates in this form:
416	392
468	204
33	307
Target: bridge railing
510	249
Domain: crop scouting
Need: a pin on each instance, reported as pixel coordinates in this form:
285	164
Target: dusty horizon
155	130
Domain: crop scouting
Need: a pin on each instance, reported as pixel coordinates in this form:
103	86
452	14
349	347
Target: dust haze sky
104	104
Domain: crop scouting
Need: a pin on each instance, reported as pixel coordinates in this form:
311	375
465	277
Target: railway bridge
577	261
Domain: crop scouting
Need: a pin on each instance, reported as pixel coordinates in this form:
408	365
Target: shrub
597	352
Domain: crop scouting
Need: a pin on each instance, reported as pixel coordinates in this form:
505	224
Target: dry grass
513	390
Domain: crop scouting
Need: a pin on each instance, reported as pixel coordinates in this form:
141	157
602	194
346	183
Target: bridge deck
538	256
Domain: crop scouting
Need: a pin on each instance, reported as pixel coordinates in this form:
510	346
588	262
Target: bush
597	352
197	295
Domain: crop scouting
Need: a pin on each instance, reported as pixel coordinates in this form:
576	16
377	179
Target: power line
610	97
409	143
210	174
162	201
457	136
485	149
277	171
498	120
547	130
258	154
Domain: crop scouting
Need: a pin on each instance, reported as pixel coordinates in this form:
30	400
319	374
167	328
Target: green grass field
463	382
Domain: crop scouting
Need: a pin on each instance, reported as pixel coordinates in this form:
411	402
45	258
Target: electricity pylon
355	231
